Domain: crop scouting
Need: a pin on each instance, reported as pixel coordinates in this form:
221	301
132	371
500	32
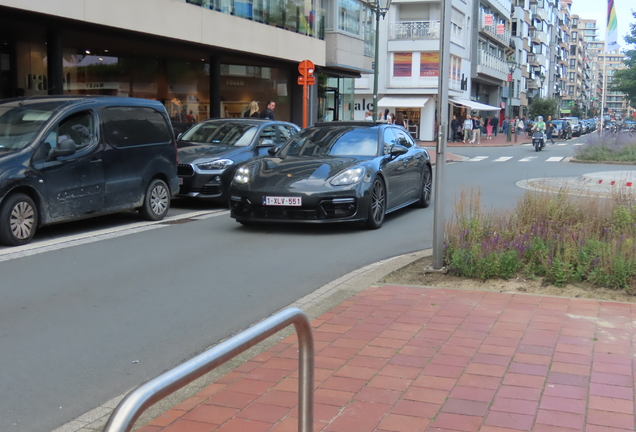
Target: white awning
474	105
402	102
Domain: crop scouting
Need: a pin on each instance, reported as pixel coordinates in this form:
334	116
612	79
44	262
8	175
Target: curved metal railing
137	401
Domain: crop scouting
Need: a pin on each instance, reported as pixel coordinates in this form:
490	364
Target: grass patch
619	147
558	237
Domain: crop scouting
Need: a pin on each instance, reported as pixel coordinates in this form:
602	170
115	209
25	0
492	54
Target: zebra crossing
524	159
556	144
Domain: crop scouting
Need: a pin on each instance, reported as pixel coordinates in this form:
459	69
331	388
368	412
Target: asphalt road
80	325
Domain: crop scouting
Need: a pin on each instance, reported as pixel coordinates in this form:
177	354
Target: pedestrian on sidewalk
504	125
454	128
477	130
495	124
488	128
549	128
468	129
520	126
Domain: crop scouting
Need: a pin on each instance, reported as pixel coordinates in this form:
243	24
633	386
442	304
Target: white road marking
554	159
103	234
562	144
478	159
503	159
527	159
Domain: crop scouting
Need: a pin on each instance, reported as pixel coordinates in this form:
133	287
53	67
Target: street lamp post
542	80
380	8
512	66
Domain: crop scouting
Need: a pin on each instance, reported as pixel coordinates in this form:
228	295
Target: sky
597	9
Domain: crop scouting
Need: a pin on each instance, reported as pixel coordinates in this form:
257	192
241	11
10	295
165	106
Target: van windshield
20	123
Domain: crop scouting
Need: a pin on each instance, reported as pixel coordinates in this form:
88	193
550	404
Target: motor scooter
538	140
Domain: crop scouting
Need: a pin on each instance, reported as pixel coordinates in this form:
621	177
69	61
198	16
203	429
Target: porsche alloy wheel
377	205
427	188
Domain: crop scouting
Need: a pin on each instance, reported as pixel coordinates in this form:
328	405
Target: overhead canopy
402	102
474	105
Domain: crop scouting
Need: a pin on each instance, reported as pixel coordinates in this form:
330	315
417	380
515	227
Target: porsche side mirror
273	150
398	150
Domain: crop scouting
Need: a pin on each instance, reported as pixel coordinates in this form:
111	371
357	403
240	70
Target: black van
68	158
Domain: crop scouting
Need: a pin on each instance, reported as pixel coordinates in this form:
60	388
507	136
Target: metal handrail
137	401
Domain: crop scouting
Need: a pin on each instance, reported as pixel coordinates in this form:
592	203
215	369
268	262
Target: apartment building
561	52
578	76
520	43
208	57
615	102
408	66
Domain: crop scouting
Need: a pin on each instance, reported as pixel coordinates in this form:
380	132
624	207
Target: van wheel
18	220
156	201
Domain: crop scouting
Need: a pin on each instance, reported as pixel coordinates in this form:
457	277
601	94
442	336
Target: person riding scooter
540	126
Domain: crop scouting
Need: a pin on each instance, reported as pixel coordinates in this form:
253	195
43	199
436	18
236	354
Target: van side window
131	126
79	127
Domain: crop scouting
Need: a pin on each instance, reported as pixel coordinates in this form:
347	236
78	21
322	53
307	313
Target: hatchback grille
185	170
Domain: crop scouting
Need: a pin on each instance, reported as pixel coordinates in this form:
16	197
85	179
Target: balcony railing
493	62
504	6
399	30
492	31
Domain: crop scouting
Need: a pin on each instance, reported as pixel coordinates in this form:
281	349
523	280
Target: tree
543	107
624	80
576	112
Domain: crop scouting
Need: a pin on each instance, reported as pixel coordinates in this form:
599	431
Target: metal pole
442	116
376	60
604	84
131	407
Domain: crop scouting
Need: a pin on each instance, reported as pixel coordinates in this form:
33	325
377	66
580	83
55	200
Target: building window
349	15
402	64
429	64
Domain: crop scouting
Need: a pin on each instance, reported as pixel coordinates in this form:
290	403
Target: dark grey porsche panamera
334	172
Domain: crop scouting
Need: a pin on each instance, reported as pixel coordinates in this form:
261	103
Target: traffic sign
509	77
306	68
306	80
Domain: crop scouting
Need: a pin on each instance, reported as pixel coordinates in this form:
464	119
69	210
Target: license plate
282	201
180	180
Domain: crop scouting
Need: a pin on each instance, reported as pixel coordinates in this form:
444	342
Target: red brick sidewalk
408	359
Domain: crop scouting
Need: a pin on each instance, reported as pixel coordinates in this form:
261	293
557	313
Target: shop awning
474	105
402	102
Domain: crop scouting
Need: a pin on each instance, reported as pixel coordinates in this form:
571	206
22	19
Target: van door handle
96	161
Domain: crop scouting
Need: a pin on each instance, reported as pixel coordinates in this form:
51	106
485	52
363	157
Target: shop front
194	83
419	112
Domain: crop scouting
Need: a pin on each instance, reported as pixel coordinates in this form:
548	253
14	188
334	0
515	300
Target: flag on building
612	28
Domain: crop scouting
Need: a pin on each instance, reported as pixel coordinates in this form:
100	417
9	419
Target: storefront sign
363	105
233	82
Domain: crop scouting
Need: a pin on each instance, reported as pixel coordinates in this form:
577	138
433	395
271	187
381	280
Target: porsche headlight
348	177
242	175
216	164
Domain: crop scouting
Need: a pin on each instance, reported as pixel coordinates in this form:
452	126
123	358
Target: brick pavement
408	359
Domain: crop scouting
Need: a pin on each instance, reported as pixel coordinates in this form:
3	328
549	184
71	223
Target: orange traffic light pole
306	78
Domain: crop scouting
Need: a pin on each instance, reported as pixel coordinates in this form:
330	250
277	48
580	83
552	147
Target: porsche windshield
221	133
333	141
20	123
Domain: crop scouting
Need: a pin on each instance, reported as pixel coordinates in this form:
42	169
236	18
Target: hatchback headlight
350	176
242	175
216	164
